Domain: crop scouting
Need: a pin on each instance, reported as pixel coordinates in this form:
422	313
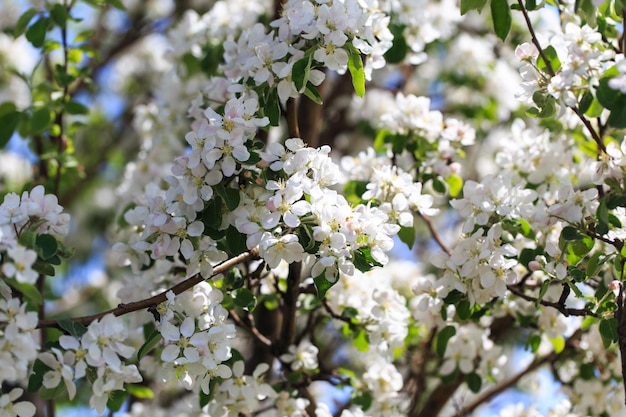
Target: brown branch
420	360
292	119
290	306
621	326
485	396
251	328
183	286
435	234
566	311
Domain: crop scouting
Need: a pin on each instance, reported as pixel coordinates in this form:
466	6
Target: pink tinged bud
534	266
455	168
615	286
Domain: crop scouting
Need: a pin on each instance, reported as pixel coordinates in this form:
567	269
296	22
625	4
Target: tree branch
566	311
435	234
122	309
485	396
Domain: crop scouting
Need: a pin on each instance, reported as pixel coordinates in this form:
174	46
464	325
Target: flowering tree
312	207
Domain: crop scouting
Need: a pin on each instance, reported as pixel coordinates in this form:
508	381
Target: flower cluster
98	352
19	346
575	60
197	345
409	122
34	212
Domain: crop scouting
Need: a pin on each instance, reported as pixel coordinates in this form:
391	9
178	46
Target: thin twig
159	298
250	327
485	396
435	234
566	311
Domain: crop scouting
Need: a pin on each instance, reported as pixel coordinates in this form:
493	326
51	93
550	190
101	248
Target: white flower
10	408
184	339
21	267
59	370
276	249
303	356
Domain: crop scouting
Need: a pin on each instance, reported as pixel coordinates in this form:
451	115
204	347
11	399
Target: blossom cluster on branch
285	156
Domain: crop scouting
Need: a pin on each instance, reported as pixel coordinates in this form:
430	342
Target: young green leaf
150	343
36	33
501	17
443	338
355	66
468	5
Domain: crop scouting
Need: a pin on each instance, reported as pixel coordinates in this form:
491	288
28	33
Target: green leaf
43	268
587	371
117	4
381	140
234	279
300	73
581	247
272	108
585	102
468	5
140	391
464	310
244	298
542	291
362	399
439	185
612	99
74	107
235	241
35	381
59	14
353	190
23	21
588	322
357	71
474	382
553	59
28	239
455	185
534	341
443	338
40	121
116	400
407	235
36	33
312	92
361	340
501	17
399	48
363	260
47	246
72	328
531	4
230	196
151	341
211	217
570	233
206	398
29	291
617	118
9	119
593	265
322	285
558	343
608	331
